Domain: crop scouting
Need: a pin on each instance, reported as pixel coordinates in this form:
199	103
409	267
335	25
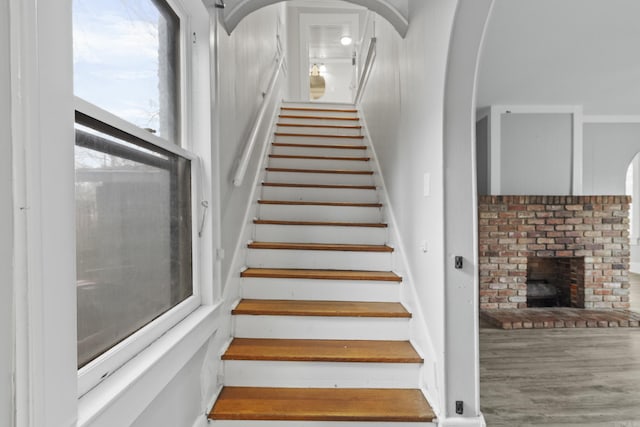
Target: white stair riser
320	130
319	213
319	194
316	140
319	234
246	423
319	178
313	113
317	121
321	327
356	165
321	290
250	373
309	104
312	151
322	260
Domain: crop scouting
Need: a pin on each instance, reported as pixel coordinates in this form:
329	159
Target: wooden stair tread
316	135
319	223
320	246
331	146
332	186
321	404
327	171
294	116
304	350
258	307
332	110
349	159
302	125
304	203
294	273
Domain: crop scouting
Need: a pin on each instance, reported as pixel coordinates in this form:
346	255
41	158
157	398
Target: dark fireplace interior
553	282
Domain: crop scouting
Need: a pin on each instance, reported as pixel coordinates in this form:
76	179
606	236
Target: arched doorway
632	188
236	10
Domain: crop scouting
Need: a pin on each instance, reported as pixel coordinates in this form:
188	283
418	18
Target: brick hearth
593	229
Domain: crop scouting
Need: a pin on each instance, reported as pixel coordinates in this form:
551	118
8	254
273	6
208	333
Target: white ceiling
324	42
577	52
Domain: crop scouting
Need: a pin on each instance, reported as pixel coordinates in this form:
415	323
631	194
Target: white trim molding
587	118
121	398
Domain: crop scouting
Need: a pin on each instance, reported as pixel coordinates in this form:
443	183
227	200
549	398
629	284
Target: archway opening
632	188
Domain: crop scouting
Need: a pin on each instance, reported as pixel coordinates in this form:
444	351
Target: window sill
119	399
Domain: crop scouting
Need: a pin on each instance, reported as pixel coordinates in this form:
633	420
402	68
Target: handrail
253	137
368	65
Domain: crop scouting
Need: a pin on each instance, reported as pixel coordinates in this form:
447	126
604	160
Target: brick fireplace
570	251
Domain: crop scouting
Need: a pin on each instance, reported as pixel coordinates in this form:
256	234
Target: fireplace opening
554	281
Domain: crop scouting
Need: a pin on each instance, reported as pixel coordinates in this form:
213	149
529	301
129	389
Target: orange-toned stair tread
310	203
320	223
348	159
320	246
316	135
303	125
322	404
294	273
292	350
293	116
331	146
329	171
260	307
330	186
332	110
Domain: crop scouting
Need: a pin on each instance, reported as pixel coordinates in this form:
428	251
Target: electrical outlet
459	407
458	262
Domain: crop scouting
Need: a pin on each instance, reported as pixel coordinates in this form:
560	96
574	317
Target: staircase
320	336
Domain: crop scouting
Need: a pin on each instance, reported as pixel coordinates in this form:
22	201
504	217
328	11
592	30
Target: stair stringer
419	333
231	293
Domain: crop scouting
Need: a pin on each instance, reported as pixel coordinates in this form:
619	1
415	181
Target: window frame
99	369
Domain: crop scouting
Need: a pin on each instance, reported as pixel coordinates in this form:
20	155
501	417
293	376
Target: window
134	182
126	61
133	238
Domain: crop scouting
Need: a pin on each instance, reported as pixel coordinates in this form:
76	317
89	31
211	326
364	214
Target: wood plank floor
560	377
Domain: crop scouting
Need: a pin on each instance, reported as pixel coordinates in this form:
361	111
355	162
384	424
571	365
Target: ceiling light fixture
346	40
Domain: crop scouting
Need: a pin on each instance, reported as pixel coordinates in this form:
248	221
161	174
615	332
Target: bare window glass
133	232
126	56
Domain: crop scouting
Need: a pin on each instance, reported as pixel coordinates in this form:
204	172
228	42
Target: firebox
554	281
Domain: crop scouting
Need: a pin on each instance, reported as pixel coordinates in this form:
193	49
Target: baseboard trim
463	422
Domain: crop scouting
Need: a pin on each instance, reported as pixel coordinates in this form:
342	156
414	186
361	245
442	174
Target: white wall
608	151
180	403
339	80
6	225
403	107
246	62
570	52
536	154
